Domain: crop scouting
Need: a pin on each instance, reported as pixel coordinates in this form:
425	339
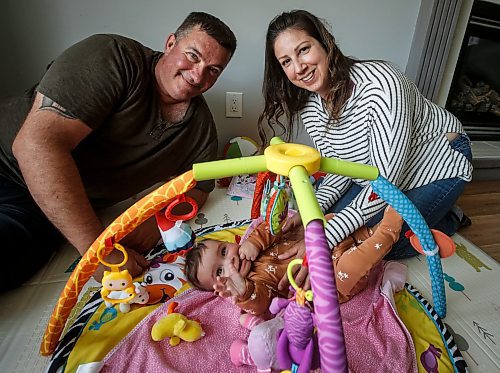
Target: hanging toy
177	235
274	207
258	194
287	341
117	286
297	347
178	238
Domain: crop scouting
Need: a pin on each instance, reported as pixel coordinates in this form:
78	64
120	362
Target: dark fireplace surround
474	95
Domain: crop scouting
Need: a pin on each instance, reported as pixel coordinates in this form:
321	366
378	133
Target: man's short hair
210	24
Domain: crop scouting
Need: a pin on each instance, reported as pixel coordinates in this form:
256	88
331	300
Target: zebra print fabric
68	341
451	347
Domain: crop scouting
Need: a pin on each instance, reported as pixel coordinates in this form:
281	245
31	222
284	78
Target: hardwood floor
481	203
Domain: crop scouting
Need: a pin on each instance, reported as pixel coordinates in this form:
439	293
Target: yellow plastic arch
134	216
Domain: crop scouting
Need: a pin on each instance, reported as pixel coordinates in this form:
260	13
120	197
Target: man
109	119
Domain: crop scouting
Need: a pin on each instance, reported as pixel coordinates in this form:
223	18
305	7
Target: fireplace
474	95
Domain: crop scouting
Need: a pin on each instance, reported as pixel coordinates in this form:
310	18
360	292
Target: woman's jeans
434	201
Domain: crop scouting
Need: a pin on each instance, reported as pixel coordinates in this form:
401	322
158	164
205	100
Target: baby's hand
248	251
233	286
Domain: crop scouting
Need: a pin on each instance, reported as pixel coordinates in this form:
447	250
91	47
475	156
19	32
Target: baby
249	273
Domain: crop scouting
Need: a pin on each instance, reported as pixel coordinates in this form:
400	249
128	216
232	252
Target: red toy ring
177	201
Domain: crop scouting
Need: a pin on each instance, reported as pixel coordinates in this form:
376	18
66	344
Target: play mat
159	323
468	336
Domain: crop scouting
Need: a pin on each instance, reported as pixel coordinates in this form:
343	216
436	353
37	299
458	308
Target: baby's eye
218	272
223	251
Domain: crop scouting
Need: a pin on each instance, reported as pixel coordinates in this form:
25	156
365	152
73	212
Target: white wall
34	32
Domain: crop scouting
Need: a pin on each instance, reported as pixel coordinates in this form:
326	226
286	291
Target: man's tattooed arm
48	104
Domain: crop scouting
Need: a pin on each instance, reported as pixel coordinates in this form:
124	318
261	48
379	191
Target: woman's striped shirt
386	123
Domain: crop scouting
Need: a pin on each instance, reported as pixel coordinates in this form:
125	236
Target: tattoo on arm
48	104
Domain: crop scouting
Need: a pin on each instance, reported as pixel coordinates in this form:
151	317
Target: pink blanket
375	338
220	320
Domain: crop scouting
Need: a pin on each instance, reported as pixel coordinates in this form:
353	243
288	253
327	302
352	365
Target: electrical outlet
234	104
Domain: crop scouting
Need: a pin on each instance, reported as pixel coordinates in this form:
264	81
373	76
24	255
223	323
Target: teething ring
114	267
177	201
293	263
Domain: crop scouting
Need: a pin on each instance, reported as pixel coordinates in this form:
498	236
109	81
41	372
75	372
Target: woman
367	112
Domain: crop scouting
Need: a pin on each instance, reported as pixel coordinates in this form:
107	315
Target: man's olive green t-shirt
108	82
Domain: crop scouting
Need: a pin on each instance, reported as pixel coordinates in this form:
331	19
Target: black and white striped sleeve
390	115
389	137
361	209
331	189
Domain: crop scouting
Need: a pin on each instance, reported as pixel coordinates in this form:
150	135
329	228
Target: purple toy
297	342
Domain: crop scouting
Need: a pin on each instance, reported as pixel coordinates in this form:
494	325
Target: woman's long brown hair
282	98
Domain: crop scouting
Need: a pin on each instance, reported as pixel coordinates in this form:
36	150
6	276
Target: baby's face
216	260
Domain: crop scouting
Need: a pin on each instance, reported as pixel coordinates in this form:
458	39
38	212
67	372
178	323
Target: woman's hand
233	286
300	274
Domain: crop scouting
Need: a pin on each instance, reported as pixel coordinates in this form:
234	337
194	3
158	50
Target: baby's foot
239	353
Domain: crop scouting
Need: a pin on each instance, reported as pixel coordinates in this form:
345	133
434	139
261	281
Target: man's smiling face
190	65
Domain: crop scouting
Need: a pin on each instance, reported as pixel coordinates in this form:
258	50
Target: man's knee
24	250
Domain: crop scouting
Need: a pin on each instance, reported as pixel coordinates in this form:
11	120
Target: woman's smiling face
304	60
